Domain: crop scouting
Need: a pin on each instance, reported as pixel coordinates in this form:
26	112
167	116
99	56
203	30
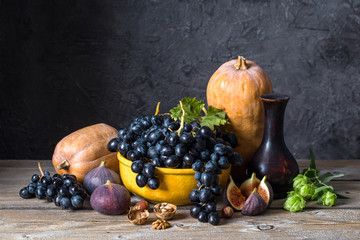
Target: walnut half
165	211
160	224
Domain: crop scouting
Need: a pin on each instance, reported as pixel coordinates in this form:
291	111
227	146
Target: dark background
68	64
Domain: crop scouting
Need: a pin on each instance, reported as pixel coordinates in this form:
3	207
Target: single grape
186	138
166	150
205	195
68	182
152	152
63	191
50	191
173	139
211	206
35	178
46	180
206	132
216	190
193	152
74	190
214	218
203	216
210	166
112	145
65	203
187	127
223	162
205	155
77	201
40	192
157	120
133	155
123	148
220	149
197	165
137	166
236	159
194	196
153	183
180	150
173	161
156	162
195	124
195	210
173	126
197	175
57	200
141	180
24	193
188	159
214	156
148	170
207	178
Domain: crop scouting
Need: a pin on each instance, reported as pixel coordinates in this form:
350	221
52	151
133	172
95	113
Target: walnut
160	224
136	216
165	211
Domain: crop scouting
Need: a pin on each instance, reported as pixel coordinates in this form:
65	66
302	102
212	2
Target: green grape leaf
320	189
327	177
192	108
214	117
312	159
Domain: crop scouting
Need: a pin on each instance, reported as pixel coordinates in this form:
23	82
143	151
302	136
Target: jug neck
274	109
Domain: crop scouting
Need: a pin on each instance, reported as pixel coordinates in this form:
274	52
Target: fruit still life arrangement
191	155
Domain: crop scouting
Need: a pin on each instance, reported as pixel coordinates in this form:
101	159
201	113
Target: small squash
84	149
235	87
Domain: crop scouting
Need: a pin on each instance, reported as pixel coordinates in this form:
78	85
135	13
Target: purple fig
98	176
110	199
254	205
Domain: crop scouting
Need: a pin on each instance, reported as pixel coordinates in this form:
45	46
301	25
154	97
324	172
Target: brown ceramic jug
273	158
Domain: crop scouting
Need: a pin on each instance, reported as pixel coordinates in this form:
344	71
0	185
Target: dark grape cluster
63	190
219	156
157	141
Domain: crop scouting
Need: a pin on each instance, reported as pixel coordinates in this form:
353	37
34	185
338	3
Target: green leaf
320	189
341	196
214	117
319	200
312	159
192	108
327	177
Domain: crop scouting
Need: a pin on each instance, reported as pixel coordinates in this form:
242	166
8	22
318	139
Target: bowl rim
173	171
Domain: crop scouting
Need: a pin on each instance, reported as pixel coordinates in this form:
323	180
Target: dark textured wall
68	64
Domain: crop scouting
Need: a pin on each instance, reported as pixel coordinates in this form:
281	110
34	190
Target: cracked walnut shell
136	216
165	211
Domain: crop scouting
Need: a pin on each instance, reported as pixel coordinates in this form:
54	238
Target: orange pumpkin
84	149
235	87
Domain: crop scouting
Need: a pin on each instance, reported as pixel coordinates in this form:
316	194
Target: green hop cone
308	191
299	181
328	198
294	202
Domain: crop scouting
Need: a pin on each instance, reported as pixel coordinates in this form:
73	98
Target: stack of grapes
63	190
160	141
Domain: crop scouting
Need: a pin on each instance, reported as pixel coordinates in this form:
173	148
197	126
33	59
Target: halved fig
254	205
265	191
234	196
248	185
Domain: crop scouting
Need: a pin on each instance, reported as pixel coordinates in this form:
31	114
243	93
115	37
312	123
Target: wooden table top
37	219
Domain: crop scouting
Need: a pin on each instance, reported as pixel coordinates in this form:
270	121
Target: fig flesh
98	176
111	199
234	196
265	191
254	205
248	185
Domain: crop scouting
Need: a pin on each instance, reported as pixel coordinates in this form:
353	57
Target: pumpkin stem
63	164
157	108
241	63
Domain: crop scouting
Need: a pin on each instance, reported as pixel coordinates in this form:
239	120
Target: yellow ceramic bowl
175	184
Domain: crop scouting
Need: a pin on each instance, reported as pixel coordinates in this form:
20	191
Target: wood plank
273	224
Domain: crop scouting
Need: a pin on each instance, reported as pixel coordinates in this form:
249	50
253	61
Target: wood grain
37	219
